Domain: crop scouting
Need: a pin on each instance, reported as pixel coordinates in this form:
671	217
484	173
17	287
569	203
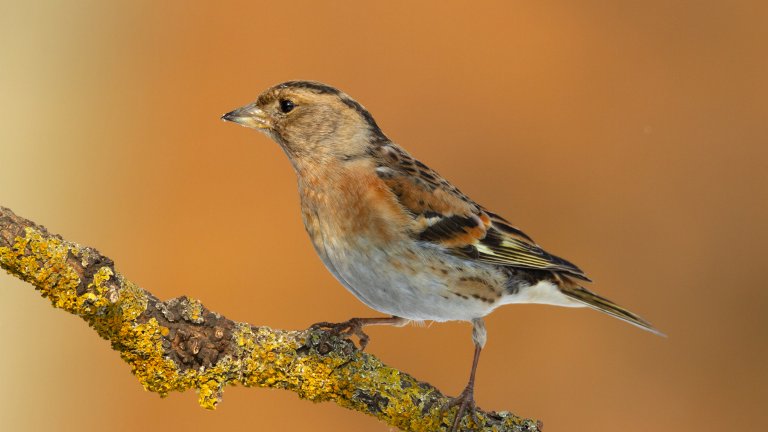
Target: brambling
396	234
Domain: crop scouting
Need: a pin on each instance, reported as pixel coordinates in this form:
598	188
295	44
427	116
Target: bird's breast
364	237
349	202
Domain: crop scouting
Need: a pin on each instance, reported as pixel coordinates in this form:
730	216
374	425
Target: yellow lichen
193	311
264	357
46	267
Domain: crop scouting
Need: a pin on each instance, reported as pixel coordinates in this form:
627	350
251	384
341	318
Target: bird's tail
588	298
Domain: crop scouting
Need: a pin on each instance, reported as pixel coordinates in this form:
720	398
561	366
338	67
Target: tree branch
178	344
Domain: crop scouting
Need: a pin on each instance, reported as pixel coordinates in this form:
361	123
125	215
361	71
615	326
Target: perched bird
396	234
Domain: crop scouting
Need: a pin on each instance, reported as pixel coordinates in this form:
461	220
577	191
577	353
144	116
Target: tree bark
178	344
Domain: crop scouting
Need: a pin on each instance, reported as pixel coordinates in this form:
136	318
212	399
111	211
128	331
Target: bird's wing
446	217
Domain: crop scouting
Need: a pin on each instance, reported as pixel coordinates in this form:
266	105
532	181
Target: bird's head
311	121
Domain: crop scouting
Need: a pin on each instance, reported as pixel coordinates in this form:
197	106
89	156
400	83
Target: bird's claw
466	404
346	329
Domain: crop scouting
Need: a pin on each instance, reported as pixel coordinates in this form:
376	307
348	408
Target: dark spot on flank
481	298
473	279
512	287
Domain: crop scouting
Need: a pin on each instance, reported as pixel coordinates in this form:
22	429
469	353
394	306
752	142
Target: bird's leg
466	400
355	326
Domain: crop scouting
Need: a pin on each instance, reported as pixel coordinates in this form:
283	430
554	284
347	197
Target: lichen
312	364
41	260
194	311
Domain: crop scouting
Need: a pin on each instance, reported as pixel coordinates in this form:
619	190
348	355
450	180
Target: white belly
399	283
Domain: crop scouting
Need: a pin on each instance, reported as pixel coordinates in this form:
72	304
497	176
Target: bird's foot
346	329
466	403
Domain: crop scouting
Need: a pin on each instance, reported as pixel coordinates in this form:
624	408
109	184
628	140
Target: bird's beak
249	116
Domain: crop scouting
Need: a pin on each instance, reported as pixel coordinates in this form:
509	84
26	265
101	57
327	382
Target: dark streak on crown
311	85
378	135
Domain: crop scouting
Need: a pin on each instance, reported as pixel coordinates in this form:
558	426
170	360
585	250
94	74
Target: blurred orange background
629	137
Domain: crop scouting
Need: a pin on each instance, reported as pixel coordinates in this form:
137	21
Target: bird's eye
286	106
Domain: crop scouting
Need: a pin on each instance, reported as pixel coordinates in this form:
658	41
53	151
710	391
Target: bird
400	237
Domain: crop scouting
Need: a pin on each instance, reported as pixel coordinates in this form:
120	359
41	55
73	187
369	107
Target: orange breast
352	201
